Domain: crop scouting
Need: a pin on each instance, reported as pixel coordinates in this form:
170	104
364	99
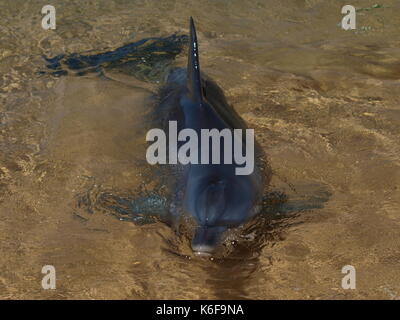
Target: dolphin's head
216	206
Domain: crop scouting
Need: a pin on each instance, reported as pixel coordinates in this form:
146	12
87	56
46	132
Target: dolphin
212	194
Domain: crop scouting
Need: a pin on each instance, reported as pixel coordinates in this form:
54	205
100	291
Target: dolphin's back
170	107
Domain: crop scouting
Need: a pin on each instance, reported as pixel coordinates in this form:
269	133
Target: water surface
325	106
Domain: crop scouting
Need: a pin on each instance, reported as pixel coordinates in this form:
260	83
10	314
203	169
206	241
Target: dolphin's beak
206	240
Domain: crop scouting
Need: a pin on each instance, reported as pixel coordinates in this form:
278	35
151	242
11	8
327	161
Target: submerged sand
325	106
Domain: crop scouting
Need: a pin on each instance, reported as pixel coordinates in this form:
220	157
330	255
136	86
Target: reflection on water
325	107
144	59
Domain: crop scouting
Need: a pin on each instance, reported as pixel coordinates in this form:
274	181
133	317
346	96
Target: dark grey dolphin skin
212	194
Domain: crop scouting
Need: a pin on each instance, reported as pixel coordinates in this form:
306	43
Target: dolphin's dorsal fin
193	68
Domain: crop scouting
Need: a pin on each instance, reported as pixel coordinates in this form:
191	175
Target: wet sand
324	104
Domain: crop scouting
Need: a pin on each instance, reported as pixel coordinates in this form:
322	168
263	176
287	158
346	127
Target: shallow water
325	106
